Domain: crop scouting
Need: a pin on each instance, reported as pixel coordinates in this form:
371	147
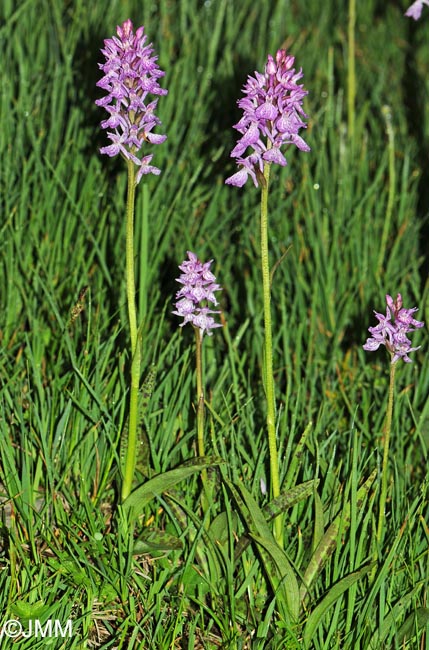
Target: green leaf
164	482
29	611
318	521
67	567
277	565
327	544
107	593
219	528
390	621
286	588
142	451
192	578
153	539
146	391
415	621
330	599
289	498
206	543
297	456
279	505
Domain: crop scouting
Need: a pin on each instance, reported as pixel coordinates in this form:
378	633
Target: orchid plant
392	332
272	118
192	304
130	79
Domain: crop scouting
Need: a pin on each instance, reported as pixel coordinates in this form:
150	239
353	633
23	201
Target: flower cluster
392	330
199	285
131	73
272	111
415	10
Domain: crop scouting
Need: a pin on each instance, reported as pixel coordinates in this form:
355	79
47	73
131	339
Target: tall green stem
200	391
387	114
205	499
385	468
268	373
130	457
351	74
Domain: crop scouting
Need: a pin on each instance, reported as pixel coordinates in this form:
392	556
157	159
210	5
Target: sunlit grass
64	552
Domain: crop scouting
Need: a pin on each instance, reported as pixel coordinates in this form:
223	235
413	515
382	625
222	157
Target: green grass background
63	388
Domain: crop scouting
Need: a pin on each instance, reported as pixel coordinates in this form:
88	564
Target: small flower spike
415	10
199	285
131	73
272	112
392	330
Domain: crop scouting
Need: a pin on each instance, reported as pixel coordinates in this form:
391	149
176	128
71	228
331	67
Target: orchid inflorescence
272	112
131	73
392	330
415	10
199	285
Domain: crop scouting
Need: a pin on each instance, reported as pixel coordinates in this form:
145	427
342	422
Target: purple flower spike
272	111
131	73
199	285
392	330
415	10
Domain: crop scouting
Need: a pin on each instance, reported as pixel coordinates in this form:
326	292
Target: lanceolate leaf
417	620
153	540
278	568
395	614
318	529
205	546
330	599
219	528
297	456
164	482
289	498
277	506
286	587
330	539
146	391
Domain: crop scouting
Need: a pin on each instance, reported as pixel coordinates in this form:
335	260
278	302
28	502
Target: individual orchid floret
198	289
131	75
392	330
272	117
415	10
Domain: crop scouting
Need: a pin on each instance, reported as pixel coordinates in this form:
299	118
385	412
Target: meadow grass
161	581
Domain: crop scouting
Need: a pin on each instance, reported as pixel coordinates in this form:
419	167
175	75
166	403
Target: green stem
205	499
385	467
130	457
351	86
268	373
131	284
387	114
200	391
143	277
